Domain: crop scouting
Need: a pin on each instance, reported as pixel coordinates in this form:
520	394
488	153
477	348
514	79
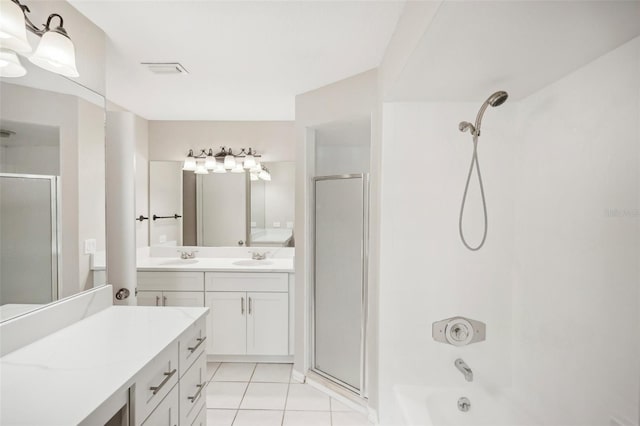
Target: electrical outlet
90	246
276	224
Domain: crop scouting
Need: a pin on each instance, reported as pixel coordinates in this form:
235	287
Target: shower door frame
54	188
364	250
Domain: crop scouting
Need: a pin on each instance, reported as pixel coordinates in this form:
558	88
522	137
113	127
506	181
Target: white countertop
62	378
222	264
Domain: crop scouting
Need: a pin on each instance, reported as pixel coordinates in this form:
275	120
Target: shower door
28	239
340	279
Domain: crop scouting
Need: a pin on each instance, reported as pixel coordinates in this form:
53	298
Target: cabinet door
227	328
183	298
166	413
267	324
149	298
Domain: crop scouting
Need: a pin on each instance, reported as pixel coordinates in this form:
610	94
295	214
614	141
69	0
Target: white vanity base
81	373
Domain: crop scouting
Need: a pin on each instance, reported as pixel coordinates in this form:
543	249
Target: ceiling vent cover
165	67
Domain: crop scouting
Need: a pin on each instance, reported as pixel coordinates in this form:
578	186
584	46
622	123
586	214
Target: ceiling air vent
165	67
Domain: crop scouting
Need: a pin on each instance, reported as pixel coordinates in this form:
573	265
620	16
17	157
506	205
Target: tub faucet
464	369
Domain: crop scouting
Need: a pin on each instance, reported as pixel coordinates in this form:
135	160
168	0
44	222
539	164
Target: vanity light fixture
55	52
221	162
10	65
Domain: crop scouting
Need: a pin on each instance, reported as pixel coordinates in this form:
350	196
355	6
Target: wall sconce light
55	52
221	162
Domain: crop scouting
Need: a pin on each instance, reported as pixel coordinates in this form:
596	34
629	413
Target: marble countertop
62	378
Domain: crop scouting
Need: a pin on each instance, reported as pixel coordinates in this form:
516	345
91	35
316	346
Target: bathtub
425	406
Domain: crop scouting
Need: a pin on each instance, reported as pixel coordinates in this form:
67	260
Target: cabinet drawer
193	390
171	281
192	344
246	281
166	413
155	381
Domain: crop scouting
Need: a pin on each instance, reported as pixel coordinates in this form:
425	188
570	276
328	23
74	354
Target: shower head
497	98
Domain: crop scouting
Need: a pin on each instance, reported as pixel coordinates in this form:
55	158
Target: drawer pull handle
242	306
200	340
157	300
197	395
168	376
249	306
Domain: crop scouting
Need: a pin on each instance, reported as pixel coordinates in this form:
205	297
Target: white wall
279	194
142	180
577	237
347	99
426	274
166	200
171	140
559	272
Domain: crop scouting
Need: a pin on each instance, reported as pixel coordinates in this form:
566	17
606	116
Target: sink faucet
464	369
187	255
256	255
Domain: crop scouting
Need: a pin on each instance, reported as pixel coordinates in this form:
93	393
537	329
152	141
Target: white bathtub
424	406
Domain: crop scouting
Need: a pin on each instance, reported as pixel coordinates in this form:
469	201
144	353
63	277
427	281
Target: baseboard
298	376
285	359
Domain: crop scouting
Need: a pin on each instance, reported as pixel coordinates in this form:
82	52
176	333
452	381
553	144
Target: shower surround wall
557	282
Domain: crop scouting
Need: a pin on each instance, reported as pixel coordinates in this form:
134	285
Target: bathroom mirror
220	210
52	188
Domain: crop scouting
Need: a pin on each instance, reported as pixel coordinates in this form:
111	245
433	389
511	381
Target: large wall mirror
221	210
52	188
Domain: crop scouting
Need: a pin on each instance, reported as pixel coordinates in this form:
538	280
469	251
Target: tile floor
249	394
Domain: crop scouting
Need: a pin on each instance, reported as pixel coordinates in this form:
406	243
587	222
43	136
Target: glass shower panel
339	285
28	239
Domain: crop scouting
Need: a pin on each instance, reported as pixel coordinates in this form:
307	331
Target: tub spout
464	369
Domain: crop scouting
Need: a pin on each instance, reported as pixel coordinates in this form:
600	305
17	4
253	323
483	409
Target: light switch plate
90	246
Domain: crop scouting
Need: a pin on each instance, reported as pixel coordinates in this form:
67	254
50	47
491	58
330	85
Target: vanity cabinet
253	319
166	413
171	289
170	298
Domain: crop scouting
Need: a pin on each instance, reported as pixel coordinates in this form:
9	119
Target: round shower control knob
459	332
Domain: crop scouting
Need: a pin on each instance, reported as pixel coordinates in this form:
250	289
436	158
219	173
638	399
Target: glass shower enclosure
340	279
28	239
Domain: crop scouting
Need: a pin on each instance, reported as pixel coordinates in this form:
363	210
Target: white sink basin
179	262
251	262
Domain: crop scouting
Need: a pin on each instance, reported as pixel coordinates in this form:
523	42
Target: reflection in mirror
51	188
272	207
220	210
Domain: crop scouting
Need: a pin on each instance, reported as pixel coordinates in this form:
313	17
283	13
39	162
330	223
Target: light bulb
56	53
201	169
10	65
249	161
229	161
13	33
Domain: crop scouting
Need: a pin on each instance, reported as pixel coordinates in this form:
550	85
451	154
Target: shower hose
476	163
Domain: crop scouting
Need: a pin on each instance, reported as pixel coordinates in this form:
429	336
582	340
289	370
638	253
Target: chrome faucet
187	255
256	255
464	369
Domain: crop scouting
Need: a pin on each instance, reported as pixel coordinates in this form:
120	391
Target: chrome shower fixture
496	99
